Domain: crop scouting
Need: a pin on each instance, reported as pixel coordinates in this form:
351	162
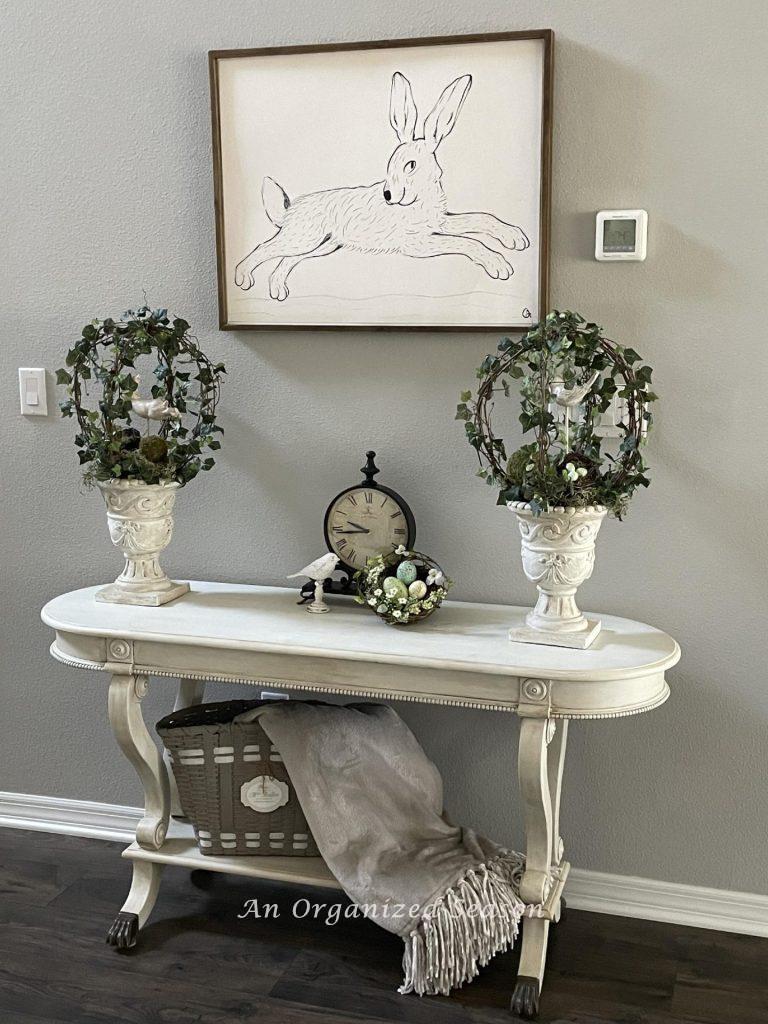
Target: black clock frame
346	584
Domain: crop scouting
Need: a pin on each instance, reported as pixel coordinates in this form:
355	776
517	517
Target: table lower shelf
180	849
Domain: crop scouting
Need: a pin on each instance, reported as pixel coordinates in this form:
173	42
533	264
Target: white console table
460	657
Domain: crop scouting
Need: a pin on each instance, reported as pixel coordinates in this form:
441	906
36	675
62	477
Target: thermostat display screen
619	235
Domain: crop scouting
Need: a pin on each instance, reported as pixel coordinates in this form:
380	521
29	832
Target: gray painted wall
107	191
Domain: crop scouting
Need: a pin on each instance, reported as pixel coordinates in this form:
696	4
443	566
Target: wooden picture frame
370	232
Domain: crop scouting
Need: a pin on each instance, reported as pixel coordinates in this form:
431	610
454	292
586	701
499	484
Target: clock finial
370	469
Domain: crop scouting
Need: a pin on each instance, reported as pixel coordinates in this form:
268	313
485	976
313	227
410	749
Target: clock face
366	521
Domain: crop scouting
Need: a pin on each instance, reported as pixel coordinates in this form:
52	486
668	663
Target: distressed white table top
460	636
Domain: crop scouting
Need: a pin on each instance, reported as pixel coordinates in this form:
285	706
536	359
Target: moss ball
154	448
516	466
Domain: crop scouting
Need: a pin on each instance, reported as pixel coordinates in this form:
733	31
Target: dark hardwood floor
196	962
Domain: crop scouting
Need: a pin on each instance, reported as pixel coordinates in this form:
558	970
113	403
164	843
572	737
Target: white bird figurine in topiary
152	408
568	398
319	571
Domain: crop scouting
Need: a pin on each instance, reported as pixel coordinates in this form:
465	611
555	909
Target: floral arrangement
402	587
566	368
183	399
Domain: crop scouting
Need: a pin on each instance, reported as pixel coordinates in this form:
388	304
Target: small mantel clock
362	521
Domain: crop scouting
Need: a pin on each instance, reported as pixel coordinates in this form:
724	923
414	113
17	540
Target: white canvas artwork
391	187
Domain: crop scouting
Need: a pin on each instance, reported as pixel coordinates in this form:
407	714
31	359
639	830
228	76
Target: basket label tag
264	794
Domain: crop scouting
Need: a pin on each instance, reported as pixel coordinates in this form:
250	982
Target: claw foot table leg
137	908
125	695
530	974
540	769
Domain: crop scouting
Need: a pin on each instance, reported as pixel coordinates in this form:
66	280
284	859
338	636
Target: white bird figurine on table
319	570
152	408
568	398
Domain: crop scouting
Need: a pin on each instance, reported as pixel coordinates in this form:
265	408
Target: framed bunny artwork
400	184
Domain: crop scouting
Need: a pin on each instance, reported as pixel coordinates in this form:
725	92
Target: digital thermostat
621	235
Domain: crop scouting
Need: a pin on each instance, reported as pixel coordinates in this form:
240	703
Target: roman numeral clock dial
367	520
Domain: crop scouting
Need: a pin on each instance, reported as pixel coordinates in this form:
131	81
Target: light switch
609	423
32	392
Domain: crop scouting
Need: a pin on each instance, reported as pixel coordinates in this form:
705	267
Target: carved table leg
540	768
555	766
190	692
127	721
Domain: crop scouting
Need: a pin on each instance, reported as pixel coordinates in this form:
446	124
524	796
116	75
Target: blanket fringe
466	926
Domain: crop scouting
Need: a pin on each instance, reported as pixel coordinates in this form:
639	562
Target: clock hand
362	529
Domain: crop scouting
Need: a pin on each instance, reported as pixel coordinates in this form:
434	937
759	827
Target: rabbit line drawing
406	213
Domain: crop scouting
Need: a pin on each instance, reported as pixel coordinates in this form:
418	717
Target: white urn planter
140	518
558	551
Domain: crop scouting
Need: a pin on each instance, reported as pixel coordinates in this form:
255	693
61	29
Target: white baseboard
621	895
69	817
694	905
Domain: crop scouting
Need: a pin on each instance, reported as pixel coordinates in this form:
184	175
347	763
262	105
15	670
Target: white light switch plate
32	392
609	423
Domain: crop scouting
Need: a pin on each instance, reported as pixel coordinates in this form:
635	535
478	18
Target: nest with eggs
402	587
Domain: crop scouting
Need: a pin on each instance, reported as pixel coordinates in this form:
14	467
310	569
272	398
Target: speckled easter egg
406	572
394	587
417	589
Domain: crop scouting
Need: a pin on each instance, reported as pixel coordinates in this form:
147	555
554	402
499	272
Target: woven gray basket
233	785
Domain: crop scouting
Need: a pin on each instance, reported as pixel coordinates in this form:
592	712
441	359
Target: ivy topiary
104	360
546	472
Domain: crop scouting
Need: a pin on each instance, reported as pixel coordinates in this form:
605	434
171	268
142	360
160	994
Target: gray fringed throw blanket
374	803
